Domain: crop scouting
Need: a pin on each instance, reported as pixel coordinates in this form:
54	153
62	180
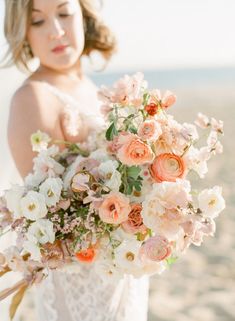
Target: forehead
52	4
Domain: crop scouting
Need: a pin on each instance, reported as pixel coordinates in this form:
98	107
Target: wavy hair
98	36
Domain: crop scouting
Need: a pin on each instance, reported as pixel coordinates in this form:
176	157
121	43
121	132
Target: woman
60	100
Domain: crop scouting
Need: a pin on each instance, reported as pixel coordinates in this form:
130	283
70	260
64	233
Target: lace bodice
84	295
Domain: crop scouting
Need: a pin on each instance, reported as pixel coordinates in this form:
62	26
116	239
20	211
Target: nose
56	31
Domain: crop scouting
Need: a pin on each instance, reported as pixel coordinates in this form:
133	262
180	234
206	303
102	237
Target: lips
59	48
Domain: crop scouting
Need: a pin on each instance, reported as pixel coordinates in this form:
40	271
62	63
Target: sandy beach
200	286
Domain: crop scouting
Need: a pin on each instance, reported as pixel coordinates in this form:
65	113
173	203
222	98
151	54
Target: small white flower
211	202
107	168
33	205
99	155
202	121
51	189
127	255
33	180
39	141
217	125
41	232
33	249
114	182
13	197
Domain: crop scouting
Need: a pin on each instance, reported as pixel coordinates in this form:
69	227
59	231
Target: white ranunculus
13	197
41	232
33	249
127	255
211	202
51	189
33	205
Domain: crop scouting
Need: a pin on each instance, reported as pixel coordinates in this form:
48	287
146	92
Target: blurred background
188	47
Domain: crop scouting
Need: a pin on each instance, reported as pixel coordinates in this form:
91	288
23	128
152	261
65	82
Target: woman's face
56	34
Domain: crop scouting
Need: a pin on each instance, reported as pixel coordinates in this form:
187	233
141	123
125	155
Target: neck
73	73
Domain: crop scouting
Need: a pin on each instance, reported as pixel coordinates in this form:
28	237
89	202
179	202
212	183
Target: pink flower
202	121
133	151
126	91
150	130
115	208
165	101
156	249
134	223
217	125
167	167
80	182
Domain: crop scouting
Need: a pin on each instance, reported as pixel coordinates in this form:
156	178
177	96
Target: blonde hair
17	19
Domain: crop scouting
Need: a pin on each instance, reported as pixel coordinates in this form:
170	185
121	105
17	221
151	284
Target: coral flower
167	167
87	255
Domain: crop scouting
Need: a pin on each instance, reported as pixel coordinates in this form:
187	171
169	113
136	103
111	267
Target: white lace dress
84	295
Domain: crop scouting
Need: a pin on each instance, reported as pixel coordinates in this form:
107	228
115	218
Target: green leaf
132	129
171	260
133	171
145	98
111	131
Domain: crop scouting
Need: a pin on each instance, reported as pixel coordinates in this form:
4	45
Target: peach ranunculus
156	249
134	224
150	130
114	208
134	151
167	167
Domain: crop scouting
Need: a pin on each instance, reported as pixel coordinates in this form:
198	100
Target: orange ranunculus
87	255
115	208
134	223
134	151
167	167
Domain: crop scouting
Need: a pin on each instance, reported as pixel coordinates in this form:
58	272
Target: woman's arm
32	108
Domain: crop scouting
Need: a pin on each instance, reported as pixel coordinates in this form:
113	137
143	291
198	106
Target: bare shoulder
32	97
32	108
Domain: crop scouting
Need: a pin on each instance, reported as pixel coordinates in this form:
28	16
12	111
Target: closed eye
64	15
37	23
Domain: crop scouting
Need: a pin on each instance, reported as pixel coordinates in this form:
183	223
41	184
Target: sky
168	33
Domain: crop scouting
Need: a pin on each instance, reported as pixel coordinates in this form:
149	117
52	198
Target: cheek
37	40
76	31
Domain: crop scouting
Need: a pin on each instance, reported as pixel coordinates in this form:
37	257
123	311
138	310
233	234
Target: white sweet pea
45	166
99	155
41	232
107	168
51	189
39	141
13	197
71	171
114	182
211	202
33	180
33	205
33	249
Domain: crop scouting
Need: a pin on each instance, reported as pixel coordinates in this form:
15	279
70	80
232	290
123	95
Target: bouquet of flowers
122	201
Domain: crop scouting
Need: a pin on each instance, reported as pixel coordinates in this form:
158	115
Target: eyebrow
60	5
